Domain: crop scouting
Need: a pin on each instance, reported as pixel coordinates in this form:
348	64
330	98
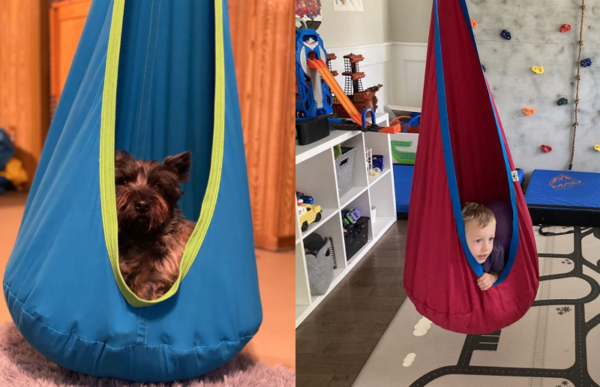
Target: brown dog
152	231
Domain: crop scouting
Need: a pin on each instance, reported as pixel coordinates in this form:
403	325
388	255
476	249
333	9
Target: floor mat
556	344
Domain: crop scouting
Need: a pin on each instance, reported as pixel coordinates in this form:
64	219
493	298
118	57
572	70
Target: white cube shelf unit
316	176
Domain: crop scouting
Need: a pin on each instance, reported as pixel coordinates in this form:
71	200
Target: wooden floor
274	342
335	341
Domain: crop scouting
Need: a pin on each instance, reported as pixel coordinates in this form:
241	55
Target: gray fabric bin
344	168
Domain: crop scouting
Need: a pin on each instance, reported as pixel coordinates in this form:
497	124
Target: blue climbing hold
505	34
586	62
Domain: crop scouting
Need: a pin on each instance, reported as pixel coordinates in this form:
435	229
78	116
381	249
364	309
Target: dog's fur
152	231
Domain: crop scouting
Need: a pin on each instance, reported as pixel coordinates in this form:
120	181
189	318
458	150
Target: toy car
309	213
305	198
350	216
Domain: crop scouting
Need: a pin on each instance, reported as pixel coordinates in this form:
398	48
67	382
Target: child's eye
478	241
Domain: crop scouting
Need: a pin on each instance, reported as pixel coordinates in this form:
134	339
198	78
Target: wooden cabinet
262	35
67	19
24	77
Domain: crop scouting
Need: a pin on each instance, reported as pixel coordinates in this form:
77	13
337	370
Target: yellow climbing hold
538	69
597	147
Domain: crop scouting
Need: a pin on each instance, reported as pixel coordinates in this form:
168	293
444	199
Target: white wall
366	33
343	28
409	20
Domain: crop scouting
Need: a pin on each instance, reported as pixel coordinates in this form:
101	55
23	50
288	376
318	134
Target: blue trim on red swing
447	143
449	159
514	241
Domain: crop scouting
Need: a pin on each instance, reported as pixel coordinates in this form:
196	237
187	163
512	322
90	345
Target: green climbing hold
483	67
562	101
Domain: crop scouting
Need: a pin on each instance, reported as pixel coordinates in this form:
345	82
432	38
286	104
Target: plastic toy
565	28
562	101
528	111
587	62
361	98
307	199
546	148
597	147
311	101
318	90
538	69
408	124
473	23
378	162
304	198
506	35
350	216
308	214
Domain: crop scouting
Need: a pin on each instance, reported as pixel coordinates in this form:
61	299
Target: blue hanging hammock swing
176	91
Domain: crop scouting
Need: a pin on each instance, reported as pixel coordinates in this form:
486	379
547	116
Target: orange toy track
321	67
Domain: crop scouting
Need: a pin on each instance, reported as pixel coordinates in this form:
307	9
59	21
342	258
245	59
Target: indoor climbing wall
531	100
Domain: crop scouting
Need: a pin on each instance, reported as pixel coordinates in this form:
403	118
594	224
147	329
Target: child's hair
477	212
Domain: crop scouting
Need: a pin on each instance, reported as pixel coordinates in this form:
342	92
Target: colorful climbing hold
546	148
586	62
483	67
506	34
529	111
538	69
562	101
473	23
565	28
597	147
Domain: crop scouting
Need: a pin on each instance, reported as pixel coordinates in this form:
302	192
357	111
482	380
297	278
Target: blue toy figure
314	96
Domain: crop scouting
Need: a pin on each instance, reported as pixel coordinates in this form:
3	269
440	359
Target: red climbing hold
546	148
564	28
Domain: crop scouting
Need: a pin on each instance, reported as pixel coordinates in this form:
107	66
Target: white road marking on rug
408	360
422	327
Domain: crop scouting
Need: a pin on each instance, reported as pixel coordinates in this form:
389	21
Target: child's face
480	239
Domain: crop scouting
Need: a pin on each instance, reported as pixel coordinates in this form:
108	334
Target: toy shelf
327	214
375	179
316	176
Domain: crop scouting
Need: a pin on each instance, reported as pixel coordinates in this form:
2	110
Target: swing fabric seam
106	160
7	289
422	304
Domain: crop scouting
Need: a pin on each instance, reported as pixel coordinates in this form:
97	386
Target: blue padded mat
564	189
564	198
403	175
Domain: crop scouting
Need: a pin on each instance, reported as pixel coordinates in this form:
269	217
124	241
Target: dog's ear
180	164
122	155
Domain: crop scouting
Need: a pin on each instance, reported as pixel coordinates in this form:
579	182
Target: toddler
488	237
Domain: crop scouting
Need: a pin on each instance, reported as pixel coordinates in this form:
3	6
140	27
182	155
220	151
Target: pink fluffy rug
22	366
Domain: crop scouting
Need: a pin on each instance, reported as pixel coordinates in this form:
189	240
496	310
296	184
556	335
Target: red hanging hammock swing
463	156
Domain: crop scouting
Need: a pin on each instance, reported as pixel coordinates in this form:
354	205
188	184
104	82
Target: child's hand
487	280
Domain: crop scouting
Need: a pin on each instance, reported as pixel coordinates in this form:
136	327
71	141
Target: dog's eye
121	182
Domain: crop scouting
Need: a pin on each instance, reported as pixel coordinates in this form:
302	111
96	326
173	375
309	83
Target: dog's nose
142	206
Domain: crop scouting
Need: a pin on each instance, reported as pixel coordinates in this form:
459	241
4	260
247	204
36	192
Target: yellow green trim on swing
107	156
